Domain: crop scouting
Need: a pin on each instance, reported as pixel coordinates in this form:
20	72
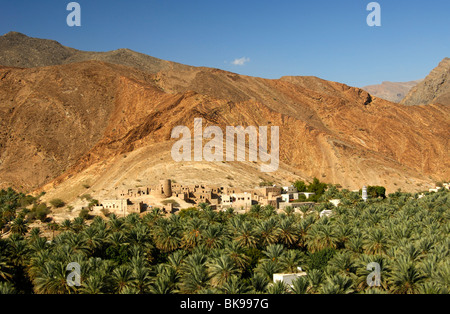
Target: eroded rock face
435	89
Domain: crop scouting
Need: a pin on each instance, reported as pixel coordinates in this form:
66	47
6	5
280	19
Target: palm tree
162	285
273	252
140	235
141	278
122	277
267	268
18	250
210	216
343	263
221	269
93	238
115	224
66	225
77	243
355	244
192	233
78	224
51	279
315	278
375	242
237	254
34	233
300	285
19	226
344	232
321	236
175	259
337	284
405	277
246	236
4	268
7	288
167	237
132	219
234	285
279	287
290	261
93	285
151	218
259	283
267	231
287	232
289	210
214	236
431	288
195	280
442	275
39	244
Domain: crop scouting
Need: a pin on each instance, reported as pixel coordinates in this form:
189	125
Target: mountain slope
392	91
434	89
109	125
19	50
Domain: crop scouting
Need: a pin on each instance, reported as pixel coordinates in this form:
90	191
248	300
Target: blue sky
325	38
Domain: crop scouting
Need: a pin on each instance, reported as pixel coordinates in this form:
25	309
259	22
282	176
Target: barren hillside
105	126
434	89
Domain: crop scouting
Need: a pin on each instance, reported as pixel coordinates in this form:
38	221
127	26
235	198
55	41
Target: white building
326	212
287	278
335	202
290	189
365	197
285	198
307	194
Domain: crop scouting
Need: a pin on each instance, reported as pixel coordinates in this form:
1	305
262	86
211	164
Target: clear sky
266	38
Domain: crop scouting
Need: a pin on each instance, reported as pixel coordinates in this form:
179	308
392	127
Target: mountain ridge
20	50
75	122
435	88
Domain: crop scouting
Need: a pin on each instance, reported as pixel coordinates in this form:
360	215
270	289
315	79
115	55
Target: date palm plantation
203	251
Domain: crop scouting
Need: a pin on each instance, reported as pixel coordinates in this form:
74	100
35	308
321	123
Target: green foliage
319	260
317	187
86	197
265	183
189	212
167	202
376	191
84	214
57	203
301	186
203	251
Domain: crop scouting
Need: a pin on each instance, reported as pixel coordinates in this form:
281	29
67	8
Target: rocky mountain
392	91
100	125
435	89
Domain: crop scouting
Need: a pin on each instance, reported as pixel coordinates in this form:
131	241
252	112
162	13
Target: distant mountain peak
435	88
392	91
